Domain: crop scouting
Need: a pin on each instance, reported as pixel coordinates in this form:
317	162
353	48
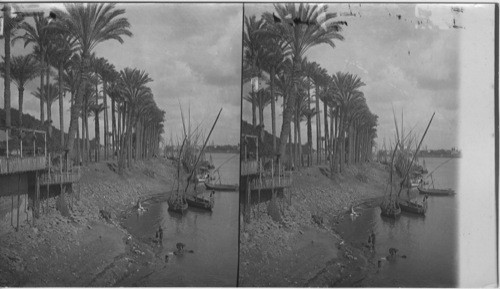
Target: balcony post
21	133
7	139
45	140
257	142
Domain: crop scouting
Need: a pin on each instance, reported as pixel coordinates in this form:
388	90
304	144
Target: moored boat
412	207
177	204
436	192
390	211
201	202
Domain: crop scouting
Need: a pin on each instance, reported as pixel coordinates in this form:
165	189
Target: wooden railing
51	178
12	164
282	181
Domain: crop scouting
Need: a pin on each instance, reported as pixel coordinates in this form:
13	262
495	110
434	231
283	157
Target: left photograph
119	144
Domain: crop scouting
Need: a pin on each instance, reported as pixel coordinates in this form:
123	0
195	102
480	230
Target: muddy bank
84	249
304	249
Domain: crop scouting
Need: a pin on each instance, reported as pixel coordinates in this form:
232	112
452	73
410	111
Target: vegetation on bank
60	51
275	48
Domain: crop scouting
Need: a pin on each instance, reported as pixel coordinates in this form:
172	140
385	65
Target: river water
429	243
213	236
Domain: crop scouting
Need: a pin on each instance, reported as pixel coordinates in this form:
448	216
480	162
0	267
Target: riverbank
84	249
303	249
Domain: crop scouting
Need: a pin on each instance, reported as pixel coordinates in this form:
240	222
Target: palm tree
319	77
9	27
39	36
309	69
133	88
116	99
63	49
95	65
50	95
346	87
108	74
299	38
90	24
252	57
22	70
273	60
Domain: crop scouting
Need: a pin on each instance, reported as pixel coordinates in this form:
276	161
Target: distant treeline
222	149
441	153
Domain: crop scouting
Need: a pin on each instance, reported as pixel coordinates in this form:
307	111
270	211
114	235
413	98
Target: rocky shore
304	249
84	249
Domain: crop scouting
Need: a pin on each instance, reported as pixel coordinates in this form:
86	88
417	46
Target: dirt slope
84	249
302	250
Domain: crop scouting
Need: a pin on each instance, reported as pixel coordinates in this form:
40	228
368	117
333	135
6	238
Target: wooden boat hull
177	206
436	192
392	213
410	207
221	187
200	203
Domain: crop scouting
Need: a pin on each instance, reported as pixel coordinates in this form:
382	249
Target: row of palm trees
275	47
62	57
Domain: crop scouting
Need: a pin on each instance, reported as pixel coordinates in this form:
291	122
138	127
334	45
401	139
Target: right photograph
350	147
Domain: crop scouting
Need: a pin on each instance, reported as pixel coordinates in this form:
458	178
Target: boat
201	202
177	203
436	192
391	207
390	210
413	207
221	187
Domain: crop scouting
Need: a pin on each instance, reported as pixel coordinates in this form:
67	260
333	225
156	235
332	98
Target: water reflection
212	236
429	242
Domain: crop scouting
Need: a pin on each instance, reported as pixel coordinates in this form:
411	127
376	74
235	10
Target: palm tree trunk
106	129
290	147
61	105
97	139
325	110
113	126
121	142
286	125
88	150
273	110
137	139
330	142
119	131
309	128
254	110
49	101
318	127
21	99
78	149
261	115
76	108
82	143
295	148
6	87
299	142
49	117
42	76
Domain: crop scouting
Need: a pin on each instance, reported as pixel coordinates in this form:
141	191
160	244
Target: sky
193	54
411	67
